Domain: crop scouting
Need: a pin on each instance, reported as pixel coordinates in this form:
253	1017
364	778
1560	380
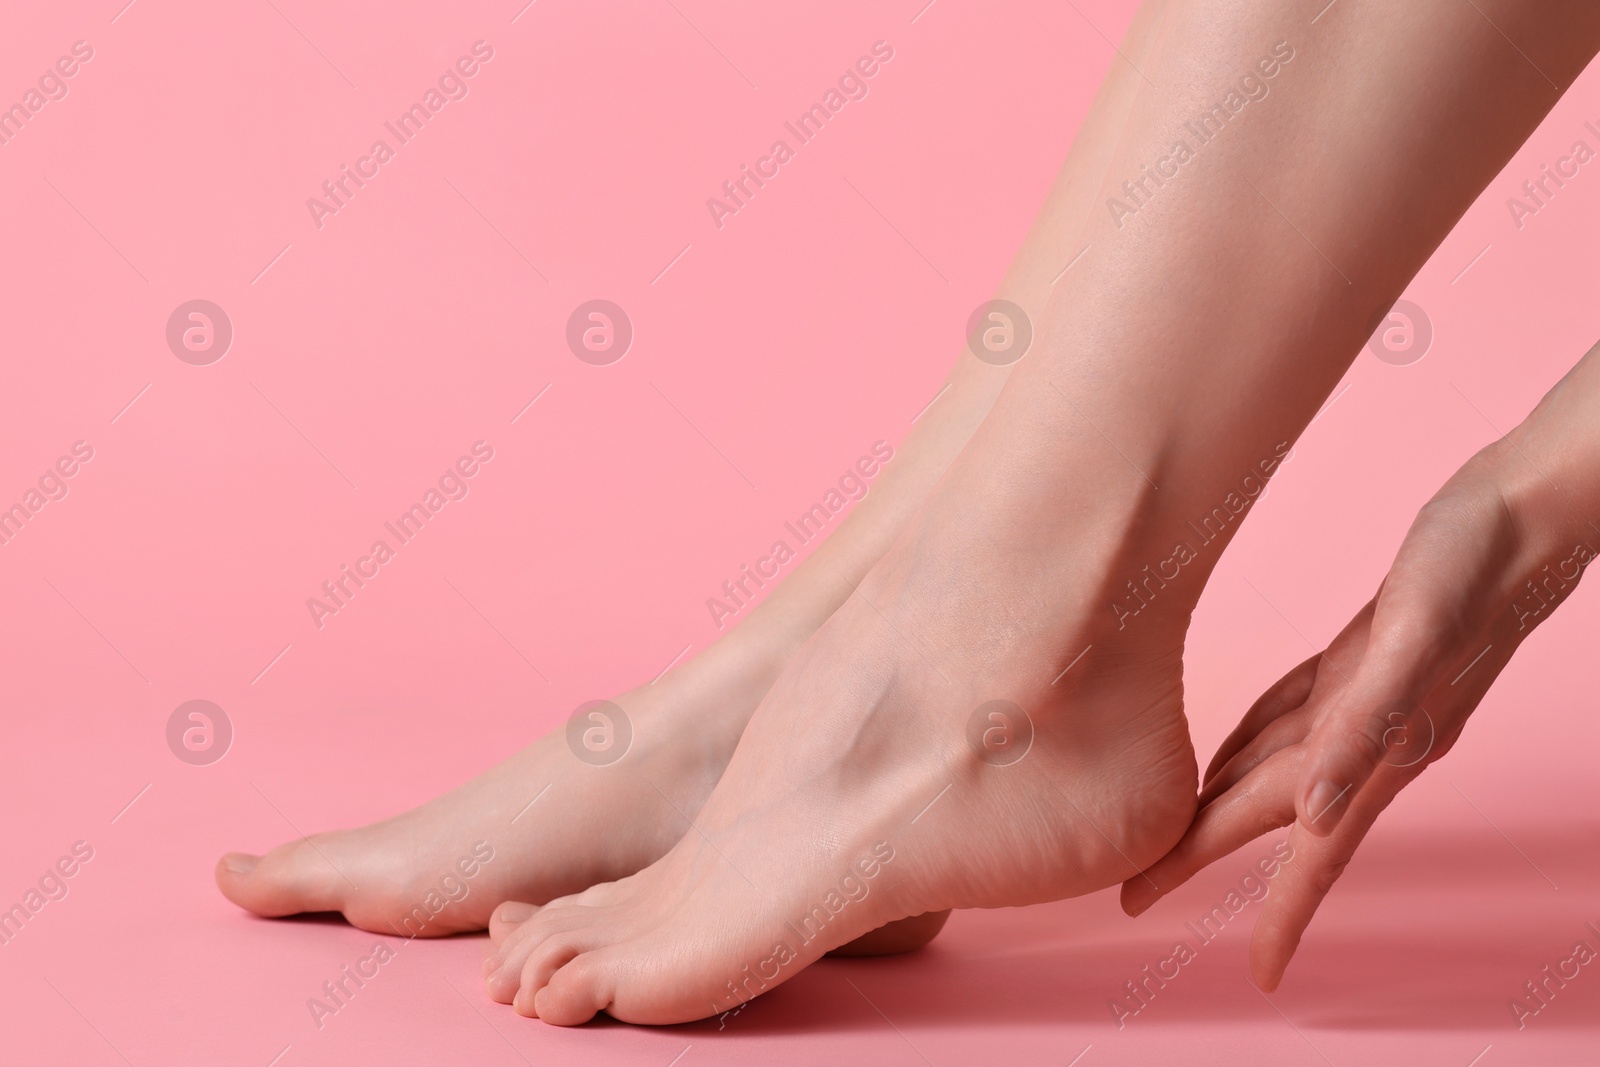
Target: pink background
414	323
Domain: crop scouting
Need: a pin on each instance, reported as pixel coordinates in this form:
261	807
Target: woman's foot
596	823
890	774
541	824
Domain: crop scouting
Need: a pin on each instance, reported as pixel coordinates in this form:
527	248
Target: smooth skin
1488	560
591	824
1193	343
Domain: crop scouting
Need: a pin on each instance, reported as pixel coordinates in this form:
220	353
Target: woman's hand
1332	743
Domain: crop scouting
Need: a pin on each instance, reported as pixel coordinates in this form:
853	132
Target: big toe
290	879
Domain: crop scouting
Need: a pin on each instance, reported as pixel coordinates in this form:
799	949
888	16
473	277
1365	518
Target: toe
507	917
553	953
523	941
595	906
576	992
290	879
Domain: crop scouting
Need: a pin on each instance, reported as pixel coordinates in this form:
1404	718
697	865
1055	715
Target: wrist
1549	478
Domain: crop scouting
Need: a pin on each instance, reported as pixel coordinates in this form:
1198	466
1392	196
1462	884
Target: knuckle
1367	740
1272	819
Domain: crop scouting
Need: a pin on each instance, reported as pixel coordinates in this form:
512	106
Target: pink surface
368	354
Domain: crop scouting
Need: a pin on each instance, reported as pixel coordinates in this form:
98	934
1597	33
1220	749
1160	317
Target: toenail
240	863
513	911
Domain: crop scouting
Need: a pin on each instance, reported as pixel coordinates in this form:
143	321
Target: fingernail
1324	795
491	964
513	911
240	862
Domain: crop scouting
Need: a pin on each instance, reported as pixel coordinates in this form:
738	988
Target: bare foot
876	783
598	823
541	824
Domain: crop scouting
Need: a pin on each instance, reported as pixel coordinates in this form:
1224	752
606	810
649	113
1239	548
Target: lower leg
600	823
1042	592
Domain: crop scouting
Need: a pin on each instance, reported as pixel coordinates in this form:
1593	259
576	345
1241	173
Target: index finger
1306	877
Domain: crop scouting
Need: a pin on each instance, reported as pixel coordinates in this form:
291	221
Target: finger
1286	694
1379	718
1313	866
1261	803
1425	623
1378	710
1314	681
1290	729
